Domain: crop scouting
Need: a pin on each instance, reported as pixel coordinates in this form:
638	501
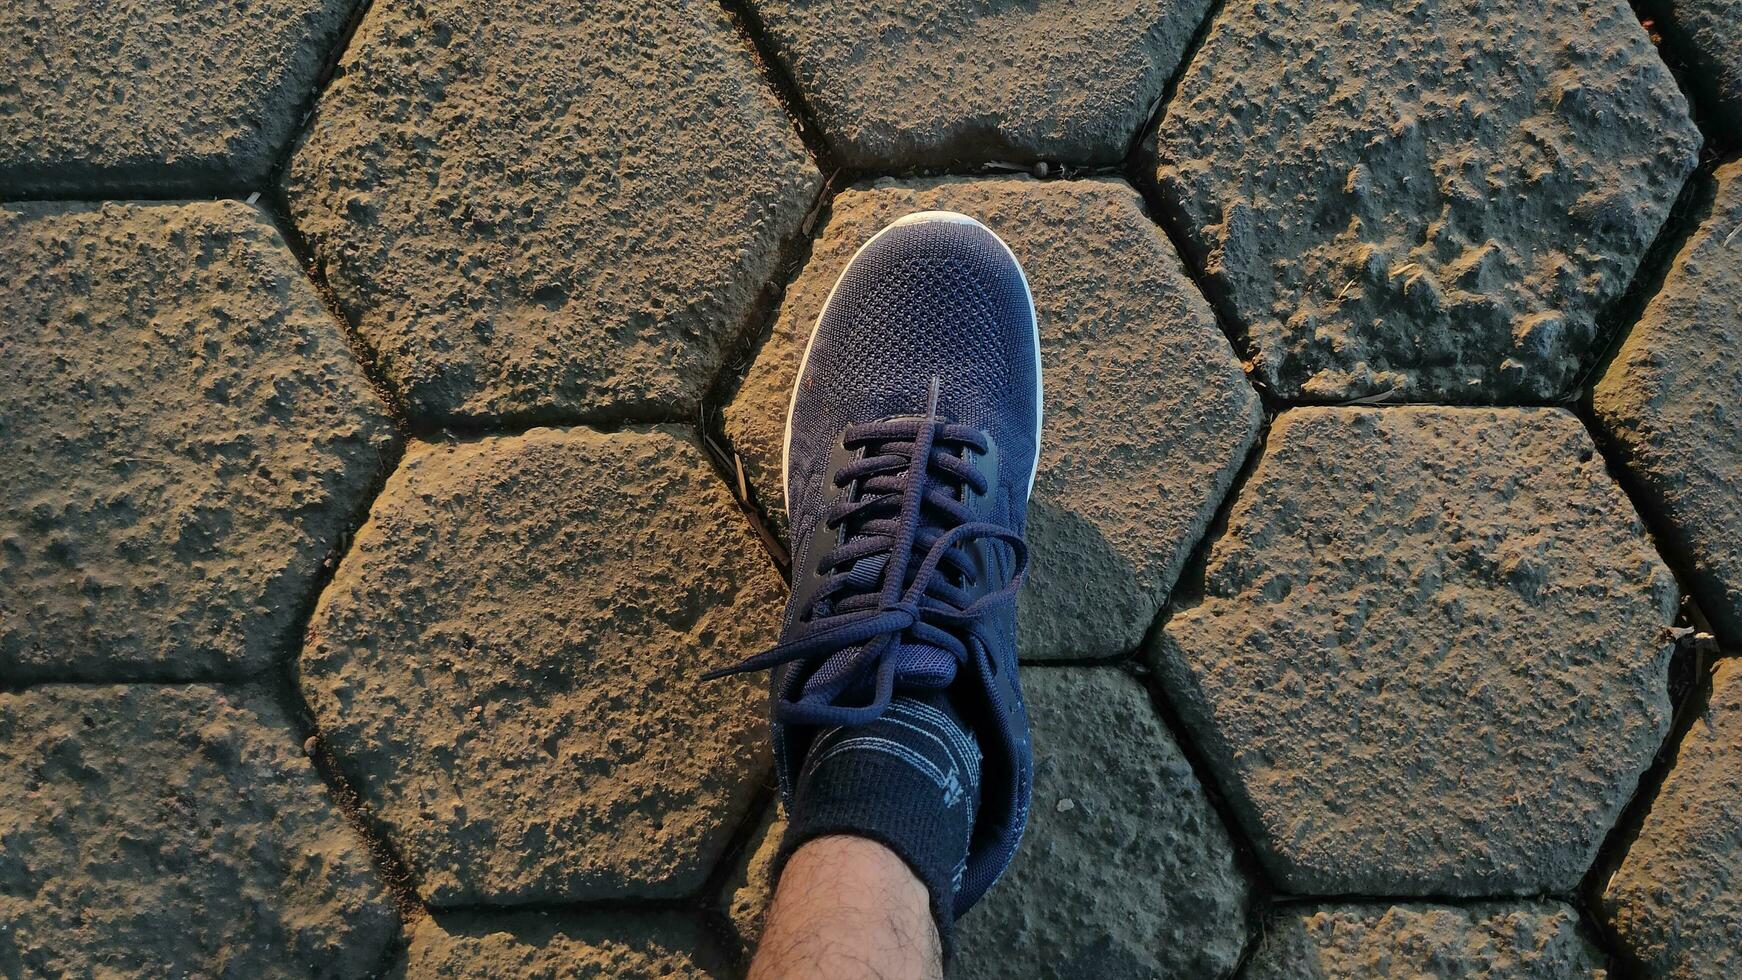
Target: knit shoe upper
911	445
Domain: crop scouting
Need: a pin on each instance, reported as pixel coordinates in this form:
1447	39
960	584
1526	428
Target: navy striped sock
909	780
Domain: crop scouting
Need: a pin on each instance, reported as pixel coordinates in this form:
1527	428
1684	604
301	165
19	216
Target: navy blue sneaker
911	445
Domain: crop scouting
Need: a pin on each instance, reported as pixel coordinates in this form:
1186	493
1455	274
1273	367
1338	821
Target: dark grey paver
142	94
584	946
1709	34
1435	201
935	82
1148	417
549	211
507	664
1668	402
1676	901
1430	655
1482	941
174	831
187	438
1125	870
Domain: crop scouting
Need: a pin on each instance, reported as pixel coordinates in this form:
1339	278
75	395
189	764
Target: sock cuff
909	782
940	889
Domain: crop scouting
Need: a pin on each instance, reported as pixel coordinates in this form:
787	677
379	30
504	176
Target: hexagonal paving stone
174	831
1669	402
136	93
188	437
1147	415
1709	33
1125	870
1489	940
1436	199
546	210
507	665
897	85
1676	901
1430	656
605	945
750	886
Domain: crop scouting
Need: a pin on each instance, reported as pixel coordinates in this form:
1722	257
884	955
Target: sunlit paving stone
175	831
507	665
1676	901
1669	401
1148	417
751	885
187	439
531	945
1480	941
1428	656
1427	201
544	211
140	94
902	84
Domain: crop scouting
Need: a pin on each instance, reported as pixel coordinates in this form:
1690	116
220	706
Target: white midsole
1033	319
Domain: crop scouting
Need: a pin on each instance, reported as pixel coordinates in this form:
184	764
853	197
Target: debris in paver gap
507	666
187	436
1427	656
1113	303
584	245
1490	174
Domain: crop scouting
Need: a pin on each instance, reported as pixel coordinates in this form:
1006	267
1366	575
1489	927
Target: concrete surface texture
1676	901
1435	200
941	82
537	211
1127	871
124	95
1668	403
187	439
1481	941
1445	683
391	404
161	831
508	663
1147	416
750	887
1709	35
533	944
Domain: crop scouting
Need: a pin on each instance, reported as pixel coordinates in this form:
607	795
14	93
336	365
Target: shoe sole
918	217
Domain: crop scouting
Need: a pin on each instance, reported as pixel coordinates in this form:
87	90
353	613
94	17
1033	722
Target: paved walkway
390	398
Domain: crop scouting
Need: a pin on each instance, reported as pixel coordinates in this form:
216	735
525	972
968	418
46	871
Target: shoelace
907	502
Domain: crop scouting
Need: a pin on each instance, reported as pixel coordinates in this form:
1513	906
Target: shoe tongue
923	665
917	665
866	575
916	662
